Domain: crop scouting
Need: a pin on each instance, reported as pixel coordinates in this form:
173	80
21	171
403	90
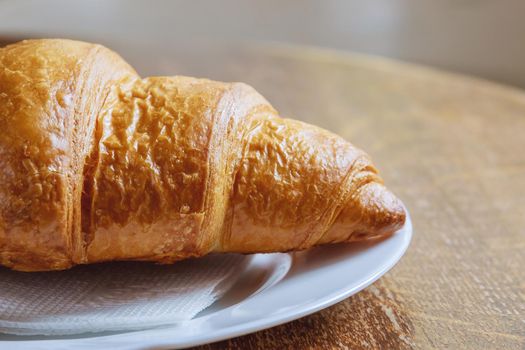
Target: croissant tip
382	213
372	213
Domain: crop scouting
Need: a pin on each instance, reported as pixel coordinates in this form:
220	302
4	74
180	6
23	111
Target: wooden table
453	148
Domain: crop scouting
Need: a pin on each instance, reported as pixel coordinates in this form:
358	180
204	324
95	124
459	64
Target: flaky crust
97	164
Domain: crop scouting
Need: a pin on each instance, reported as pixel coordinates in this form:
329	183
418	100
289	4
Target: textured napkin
114	296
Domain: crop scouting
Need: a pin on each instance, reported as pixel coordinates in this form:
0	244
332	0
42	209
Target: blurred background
485	38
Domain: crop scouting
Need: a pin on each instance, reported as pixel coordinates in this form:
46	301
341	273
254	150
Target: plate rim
329	300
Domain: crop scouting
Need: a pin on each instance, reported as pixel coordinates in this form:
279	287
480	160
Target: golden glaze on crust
50	93
98	164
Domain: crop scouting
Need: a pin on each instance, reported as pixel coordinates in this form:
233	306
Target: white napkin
113	297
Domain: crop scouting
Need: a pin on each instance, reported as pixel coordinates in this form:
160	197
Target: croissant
97	164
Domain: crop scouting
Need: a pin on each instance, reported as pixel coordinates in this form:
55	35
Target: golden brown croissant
97	164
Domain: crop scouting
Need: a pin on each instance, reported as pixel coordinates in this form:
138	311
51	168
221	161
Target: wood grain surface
452	147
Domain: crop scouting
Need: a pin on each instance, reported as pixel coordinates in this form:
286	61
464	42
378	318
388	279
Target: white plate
273	289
